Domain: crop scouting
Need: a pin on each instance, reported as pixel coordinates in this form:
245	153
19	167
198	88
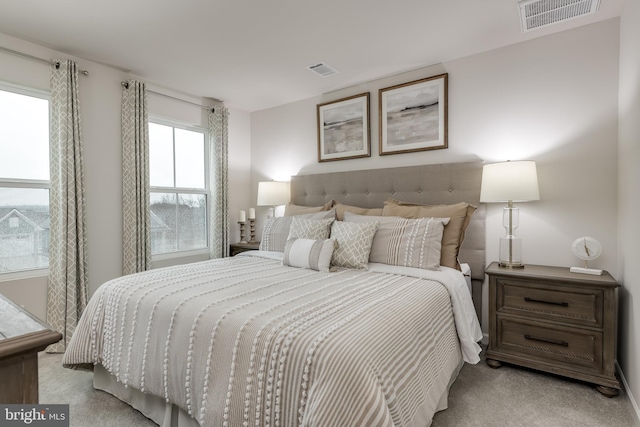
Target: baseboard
636	408
485	339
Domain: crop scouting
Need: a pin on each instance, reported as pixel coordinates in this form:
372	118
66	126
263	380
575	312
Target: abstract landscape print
343	128
413	116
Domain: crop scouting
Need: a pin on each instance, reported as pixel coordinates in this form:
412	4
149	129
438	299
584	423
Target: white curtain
67	290
136	238
219	182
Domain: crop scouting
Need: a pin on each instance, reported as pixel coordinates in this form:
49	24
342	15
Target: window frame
26	183
184	190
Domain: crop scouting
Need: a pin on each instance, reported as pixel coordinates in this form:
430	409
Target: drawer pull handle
563	304
556	342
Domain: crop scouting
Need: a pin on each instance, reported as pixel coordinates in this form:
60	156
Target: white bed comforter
245	341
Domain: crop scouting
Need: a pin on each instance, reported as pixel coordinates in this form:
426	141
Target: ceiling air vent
323	70
536	14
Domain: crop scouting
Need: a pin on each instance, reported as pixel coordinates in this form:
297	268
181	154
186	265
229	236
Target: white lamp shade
273	193
509	181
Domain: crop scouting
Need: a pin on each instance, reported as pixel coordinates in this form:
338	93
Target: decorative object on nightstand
22	336
587	249
553	320
273	193
510	182
252	230
243	219
236	248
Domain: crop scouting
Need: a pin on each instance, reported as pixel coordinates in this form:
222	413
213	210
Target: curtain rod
205	107
35	58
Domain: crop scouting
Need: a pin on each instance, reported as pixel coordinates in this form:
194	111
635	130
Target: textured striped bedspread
244	341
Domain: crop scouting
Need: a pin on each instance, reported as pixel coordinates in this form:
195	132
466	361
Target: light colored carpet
481	396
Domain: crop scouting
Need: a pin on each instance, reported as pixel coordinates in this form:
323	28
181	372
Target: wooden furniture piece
236	248
550	319
22	336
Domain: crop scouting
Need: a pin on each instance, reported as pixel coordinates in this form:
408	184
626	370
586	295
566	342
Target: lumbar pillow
308	253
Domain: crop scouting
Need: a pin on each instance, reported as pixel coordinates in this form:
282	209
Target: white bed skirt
169	415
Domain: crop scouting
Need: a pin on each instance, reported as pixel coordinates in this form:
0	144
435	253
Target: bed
247	341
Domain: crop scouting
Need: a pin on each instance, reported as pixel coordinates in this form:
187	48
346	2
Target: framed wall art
343	129
413	116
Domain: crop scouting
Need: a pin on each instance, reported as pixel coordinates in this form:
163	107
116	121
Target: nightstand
22	336
552	320
236	248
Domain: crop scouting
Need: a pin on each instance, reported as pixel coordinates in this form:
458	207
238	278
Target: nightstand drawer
551	302
544	342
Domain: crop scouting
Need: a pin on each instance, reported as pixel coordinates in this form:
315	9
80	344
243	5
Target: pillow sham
308	253
314	229
291	209
353	243
413	243
342	208
459	215
276	230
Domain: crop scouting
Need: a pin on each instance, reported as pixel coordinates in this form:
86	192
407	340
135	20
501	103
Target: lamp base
507	264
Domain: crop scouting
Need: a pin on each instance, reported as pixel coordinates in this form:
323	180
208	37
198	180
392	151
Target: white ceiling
252	53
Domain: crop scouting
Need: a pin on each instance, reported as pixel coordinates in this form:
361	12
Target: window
178	175
24	179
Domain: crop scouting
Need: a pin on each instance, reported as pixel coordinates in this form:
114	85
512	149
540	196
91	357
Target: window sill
24	274
182	254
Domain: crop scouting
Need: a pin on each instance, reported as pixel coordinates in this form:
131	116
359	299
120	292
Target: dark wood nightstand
552	320
236	248
22	336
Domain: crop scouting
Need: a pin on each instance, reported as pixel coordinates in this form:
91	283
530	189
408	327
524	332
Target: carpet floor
481	396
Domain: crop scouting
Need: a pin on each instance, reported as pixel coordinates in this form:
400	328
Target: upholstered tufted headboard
429	184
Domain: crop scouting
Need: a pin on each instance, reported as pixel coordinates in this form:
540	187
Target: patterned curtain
136	237
219	182
67	290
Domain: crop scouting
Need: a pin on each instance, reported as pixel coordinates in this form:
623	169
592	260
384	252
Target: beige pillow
342	208
453	235
291	209
406	242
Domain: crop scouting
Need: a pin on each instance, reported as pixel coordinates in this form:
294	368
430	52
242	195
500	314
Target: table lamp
273	193
510	182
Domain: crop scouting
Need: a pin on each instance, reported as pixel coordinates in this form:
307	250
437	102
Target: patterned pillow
459	215
308	253
276	230
353	243
314	229
406	242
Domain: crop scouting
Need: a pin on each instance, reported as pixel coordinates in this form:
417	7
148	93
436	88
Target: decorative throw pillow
453	235
407	242
291	209
314	229
276	230
308	253
342	208
353	243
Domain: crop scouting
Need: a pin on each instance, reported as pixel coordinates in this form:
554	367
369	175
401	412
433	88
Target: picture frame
413	116
344	128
